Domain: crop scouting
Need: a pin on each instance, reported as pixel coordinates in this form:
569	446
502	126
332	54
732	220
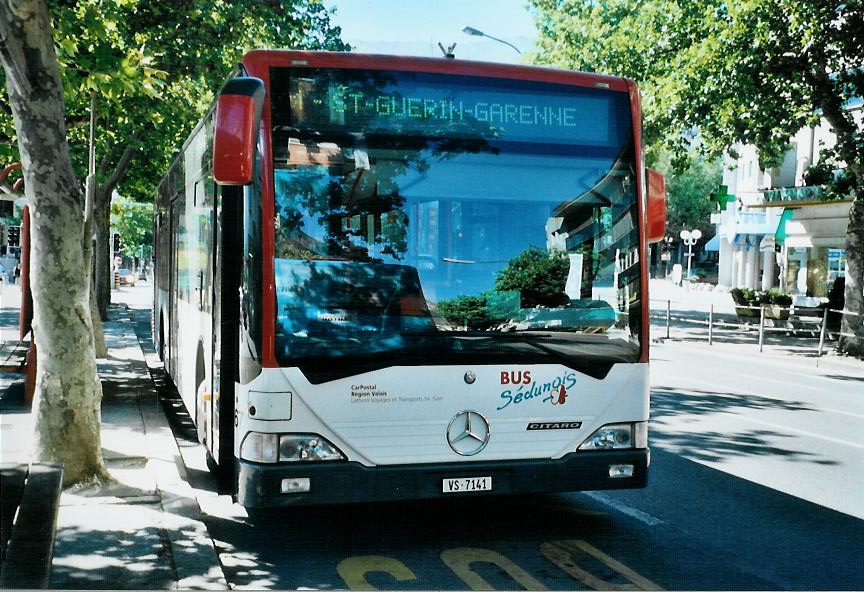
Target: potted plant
776	304
744	299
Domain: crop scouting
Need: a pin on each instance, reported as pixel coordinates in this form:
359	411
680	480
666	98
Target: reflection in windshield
410	250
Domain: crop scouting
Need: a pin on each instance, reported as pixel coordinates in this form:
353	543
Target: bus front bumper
260	485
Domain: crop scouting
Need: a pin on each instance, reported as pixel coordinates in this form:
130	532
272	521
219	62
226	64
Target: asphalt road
756	483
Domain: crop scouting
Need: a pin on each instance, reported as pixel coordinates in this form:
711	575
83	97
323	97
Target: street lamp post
474	32
690	237
666	255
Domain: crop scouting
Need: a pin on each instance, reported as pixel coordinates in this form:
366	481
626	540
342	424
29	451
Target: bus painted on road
382	278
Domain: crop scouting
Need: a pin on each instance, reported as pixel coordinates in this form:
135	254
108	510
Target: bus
383	278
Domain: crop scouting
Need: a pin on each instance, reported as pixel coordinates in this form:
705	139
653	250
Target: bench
29	503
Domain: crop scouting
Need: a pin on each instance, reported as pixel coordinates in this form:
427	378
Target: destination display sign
435	105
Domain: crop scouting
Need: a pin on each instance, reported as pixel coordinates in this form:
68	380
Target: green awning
780	235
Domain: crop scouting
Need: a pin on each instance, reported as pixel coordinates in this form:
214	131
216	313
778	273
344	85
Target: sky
411	27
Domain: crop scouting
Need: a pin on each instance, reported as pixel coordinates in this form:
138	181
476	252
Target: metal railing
792	316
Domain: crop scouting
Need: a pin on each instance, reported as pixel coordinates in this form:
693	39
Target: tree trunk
89	272
68	391
104	279
852	327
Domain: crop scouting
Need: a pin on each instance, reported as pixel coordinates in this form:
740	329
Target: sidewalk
689	310
143	531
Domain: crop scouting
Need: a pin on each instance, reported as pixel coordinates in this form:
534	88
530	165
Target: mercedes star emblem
468	433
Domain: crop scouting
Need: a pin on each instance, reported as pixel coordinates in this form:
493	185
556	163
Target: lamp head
473	31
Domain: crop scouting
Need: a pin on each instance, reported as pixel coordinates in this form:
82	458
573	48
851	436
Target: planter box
775	311
772	311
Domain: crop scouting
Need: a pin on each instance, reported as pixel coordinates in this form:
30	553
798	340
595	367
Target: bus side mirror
656	206
238	115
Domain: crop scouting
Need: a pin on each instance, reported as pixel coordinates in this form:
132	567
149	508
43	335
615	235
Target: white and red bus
382	278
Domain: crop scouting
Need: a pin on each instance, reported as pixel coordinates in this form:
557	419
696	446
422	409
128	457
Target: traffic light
117	243
14	236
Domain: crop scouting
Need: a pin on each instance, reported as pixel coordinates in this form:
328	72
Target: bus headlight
259	447
311	447
617	436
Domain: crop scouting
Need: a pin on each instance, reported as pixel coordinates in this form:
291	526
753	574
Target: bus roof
257	62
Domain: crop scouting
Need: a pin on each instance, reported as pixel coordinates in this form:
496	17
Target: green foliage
750	71
742	296
837	185
537	275
747	297
155	67
778	298
820	173
469	311
688	195
134	222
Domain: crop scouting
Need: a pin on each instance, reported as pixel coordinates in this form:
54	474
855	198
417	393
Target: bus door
226	262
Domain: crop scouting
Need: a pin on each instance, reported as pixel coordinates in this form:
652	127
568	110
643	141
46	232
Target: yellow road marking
561	554
354	569
459	560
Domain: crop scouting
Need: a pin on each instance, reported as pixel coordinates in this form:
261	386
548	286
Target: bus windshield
432	219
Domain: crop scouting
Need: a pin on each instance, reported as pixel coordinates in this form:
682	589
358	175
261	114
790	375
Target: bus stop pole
761	326
668	316
711	326
822	332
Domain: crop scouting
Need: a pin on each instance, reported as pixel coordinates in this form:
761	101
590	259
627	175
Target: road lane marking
623	508
353	570
561	553
459	561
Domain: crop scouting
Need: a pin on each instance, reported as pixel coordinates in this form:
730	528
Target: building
774	229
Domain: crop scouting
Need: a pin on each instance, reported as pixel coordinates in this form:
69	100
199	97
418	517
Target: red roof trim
261	59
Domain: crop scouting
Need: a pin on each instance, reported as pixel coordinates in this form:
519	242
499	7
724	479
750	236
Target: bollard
711	326
822	333
668	316
761	326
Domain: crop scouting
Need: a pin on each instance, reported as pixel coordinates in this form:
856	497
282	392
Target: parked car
127	278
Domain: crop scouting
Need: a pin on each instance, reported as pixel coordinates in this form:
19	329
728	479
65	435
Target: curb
196	560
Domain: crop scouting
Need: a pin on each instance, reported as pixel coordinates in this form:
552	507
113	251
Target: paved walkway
143	531
689	308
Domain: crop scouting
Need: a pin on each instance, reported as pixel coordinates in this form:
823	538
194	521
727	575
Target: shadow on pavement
716	446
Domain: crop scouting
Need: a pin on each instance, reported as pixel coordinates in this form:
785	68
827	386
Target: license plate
467	484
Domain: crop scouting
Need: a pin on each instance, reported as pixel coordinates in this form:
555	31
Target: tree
688	194
134	221
750	71
68	391
154	69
